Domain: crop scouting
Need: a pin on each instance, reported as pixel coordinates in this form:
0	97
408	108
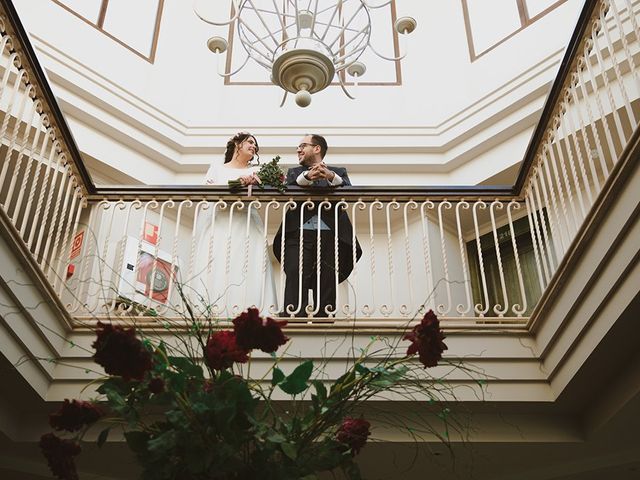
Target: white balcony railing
479	257
431	254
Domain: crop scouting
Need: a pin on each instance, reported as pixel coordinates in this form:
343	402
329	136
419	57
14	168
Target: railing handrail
551	103
438	191
351	192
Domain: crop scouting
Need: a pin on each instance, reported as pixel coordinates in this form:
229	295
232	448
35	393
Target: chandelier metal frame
303	43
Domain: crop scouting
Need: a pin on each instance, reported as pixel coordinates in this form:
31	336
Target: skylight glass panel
89	9
492	21
536	7
132	22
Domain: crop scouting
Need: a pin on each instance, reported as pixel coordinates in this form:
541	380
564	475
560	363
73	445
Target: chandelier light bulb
217	44
406	25
303	98
357	69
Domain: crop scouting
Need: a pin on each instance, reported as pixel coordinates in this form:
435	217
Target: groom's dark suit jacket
345	229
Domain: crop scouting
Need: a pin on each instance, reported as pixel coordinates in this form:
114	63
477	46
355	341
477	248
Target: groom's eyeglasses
303	145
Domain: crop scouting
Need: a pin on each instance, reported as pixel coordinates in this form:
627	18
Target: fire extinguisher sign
76	246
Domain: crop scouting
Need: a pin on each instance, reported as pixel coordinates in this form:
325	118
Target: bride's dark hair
235	142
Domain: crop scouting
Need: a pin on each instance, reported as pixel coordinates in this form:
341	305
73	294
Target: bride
234	265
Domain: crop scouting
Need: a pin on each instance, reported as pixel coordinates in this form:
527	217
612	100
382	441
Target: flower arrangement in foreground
269	174
192	417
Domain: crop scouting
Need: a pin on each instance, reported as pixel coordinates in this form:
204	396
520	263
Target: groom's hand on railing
319	171
314	173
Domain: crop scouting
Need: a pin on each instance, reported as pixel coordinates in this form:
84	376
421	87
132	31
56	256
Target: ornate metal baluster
387	308
442	309
478	307
14	132
534	239
523	295
340	205
463	256
28	122
367	309
426	251
174	263
31	160
273	308
404	309
347	310
324	205
497	308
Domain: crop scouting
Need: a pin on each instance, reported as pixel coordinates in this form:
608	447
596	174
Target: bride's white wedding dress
232	265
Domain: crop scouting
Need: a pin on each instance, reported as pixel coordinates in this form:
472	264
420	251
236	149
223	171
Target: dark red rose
73	415
222	350
427	339
253	331
59	454
353	432
156	385
121	353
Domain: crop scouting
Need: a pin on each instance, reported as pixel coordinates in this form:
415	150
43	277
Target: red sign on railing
150	233
76	246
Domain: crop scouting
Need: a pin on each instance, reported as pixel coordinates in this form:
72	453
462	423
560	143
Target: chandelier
304	44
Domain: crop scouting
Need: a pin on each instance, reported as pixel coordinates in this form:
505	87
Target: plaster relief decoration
306	45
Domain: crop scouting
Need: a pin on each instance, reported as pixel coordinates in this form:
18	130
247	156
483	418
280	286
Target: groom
314	173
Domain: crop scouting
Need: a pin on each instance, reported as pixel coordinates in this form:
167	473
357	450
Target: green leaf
115	399
137	441
102	437
278	376
361	369
277	438
289	450
187	366
163	442
388	378
116	384
321	390
318	401
297	382
316	408
339	388
176	418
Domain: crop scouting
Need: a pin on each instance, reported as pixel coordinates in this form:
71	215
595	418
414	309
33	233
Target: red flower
252	331
73	415
59	454
156	385
427	339
222	350
353	432
120	352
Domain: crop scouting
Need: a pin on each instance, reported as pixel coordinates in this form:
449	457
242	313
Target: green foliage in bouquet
187	413
269	174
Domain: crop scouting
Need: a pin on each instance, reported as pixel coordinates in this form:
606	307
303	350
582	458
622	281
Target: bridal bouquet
194	412
269	174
